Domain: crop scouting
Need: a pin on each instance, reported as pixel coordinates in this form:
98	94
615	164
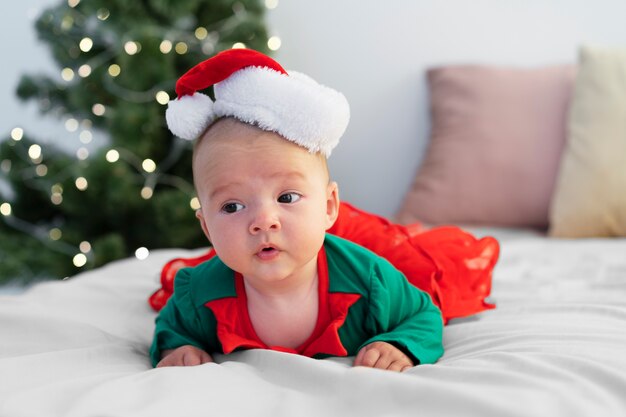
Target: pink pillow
496	141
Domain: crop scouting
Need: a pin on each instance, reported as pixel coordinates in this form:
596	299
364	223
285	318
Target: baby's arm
383	355
404	323
184	356
182	337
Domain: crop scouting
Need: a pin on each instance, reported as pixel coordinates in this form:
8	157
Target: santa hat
255	89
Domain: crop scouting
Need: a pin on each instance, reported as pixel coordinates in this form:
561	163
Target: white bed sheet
555	346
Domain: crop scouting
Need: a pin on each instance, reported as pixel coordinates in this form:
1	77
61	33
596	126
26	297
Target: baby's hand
383	355
184	356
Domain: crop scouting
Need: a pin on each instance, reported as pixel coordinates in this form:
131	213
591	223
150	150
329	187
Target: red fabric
448	263
220	67
168	272
235	330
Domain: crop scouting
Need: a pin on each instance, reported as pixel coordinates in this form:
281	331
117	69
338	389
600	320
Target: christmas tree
119	61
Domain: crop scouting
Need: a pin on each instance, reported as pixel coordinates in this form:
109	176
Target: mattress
554	346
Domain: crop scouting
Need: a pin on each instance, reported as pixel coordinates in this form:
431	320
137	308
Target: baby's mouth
267	253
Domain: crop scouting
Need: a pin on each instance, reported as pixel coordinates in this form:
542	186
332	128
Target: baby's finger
164	362
205	357
191	358
359	357
370	357
170	360
399	366
384	360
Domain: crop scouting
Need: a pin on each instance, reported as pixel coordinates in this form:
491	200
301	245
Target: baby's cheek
225	244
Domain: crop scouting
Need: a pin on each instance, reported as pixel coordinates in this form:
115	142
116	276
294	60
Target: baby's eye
232	207
289	198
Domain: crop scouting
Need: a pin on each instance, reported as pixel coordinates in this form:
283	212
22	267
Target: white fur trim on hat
294	106
188	116
257	90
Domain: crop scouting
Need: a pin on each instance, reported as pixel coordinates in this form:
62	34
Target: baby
279	281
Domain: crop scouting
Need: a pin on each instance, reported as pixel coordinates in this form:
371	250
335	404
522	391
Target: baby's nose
265	220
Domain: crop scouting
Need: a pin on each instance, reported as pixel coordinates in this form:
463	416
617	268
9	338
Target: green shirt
362	297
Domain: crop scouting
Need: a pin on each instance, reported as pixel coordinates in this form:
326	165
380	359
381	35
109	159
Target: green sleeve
178	323
403	315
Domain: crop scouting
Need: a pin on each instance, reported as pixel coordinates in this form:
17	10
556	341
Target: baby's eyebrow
223	187
289	174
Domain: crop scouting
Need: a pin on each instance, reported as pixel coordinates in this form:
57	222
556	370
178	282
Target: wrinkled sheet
554	346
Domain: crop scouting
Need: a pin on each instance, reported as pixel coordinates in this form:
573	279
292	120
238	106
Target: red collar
235	330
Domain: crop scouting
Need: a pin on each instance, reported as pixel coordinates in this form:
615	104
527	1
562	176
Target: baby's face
266	202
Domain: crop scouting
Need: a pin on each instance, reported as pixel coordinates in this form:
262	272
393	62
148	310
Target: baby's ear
332	204
205	229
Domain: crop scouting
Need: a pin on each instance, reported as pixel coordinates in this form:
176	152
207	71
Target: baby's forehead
228	139
232	135
230	125
231	132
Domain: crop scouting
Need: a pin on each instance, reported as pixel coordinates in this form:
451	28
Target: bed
554	346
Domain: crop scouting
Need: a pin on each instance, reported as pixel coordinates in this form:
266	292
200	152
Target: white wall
375	52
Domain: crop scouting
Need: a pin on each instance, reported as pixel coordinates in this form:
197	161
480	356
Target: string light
274	43
114	70
71	125
84	70
81	183
73	3
142	253
103	14
85	44
112	156
79	260
98	109
17	133
201	33
41	170
56	199
5	209
194	203
84	246
208	48
162	97
181	48
67	74
82	153
55	234
85	137
239	45
131	47
148	165
271	4
34	152
67	23
165	47
146	193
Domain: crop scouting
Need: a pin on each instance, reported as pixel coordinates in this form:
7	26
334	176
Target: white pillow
590	194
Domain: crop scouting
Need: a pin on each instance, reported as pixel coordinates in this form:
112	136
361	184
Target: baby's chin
277	272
